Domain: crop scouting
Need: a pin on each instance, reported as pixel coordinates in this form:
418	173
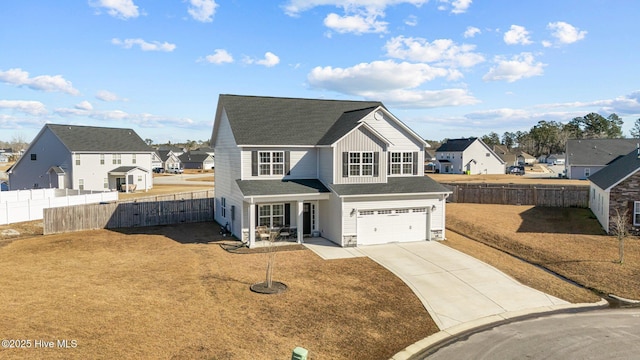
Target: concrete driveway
455	288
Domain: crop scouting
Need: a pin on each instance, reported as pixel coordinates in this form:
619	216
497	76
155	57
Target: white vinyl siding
302	163
359	141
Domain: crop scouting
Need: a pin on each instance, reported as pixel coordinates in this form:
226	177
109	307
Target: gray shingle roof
190	157
257	120
456	144
597	151
92	138
617	170
281	187
394	185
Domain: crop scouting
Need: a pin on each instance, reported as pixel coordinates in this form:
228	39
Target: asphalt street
598	334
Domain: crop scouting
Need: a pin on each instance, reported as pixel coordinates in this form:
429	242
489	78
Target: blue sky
447	68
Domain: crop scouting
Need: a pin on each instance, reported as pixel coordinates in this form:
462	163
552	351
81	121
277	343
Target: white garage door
382	226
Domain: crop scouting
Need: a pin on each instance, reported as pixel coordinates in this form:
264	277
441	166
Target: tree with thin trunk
271	257
620	228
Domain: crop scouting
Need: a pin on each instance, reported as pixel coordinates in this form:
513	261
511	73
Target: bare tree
620	228
271	257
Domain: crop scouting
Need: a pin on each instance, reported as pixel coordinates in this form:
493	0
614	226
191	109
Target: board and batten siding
360	139
400	139
302	163
350	209
228	157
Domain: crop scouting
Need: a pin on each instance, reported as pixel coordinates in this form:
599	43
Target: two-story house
585	157
348	171
468	156
84	158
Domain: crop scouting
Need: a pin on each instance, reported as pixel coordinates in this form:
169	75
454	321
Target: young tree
620	228
635	130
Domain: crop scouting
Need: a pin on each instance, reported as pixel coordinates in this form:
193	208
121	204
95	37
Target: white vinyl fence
26	205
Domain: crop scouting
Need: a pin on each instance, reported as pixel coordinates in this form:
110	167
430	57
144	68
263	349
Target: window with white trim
587	172
361	163
133	158
271	215
117	159
636	213
80	184
106	183
271	162
77	156
101	159
401	163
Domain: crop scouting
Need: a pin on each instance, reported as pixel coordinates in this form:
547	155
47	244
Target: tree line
550	137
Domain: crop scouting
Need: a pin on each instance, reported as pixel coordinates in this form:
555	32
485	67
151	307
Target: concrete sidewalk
455	288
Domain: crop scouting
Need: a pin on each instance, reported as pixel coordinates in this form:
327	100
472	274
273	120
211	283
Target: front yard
169	293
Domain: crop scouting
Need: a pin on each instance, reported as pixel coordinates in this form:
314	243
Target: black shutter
345	164
376	164
257	218
254	163
415	163
388	163
287	214
287	163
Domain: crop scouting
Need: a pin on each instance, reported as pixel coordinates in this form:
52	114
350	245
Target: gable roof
597	151
190	157
617	171
456	144
300	121
93	138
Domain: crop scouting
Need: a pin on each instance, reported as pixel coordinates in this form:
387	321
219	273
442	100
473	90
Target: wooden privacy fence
149	211
517	194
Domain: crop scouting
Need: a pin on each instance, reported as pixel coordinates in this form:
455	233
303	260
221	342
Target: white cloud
142	120
412	20
35	108
441	51
565	33
84	105
360	23
519	67
144	46
46	83
407	98
202	10
295	7
458	6
108	96
219	56
270	60
517	35
123	9
471	31
375	76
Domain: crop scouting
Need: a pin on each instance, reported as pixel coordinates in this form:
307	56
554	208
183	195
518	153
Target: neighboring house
348	171
526	159
616	189
84	158
176	150
169	159
4	156
206	150
194	160
468	156
584	157
156	161
509	157
555	159
430	164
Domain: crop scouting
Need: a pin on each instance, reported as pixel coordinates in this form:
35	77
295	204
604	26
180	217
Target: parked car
176	170
516	170
158	170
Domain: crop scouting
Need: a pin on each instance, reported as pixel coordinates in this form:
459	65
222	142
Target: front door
306	219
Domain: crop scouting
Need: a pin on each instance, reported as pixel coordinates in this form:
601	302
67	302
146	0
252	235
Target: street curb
421	346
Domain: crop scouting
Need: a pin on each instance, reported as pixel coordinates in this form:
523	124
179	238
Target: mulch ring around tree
276	288
238	247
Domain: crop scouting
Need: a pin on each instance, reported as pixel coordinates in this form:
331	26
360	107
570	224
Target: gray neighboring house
468	156
584	157
195	160
347	171
169	159
617	188
84	158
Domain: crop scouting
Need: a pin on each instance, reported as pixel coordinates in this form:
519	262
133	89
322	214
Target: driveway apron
455	288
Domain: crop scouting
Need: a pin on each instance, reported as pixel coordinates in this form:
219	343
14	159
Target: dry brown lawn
504	179
167	292
567	241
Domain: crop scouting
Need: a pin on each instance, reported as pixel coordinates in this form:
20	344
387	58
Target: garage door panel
391	225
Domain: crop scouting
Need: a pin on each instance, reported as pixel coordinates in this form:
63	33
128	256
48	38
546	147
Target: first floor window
361	163
271	215
636	213
223	207
106	183
81	184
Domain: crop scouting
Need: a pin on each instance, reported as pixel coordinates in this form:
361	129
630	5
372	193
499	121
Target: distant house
509	157
616	189
84	158
468	156
555	159
5	155
584	157
430	164
526	159
169	159
347	171
194	160
176	150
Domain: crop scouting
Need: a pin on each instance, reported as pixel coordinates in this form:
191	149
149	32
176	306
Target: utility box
299	354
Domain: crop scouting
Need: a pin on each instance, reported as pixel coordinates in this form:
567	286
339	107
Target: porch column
300	221
252	225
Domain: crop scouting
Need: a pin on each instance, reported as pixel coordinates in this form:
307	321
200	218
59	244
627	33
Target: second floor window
271	162
133	158
101	159
361	163
77	159
401	163
117	159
